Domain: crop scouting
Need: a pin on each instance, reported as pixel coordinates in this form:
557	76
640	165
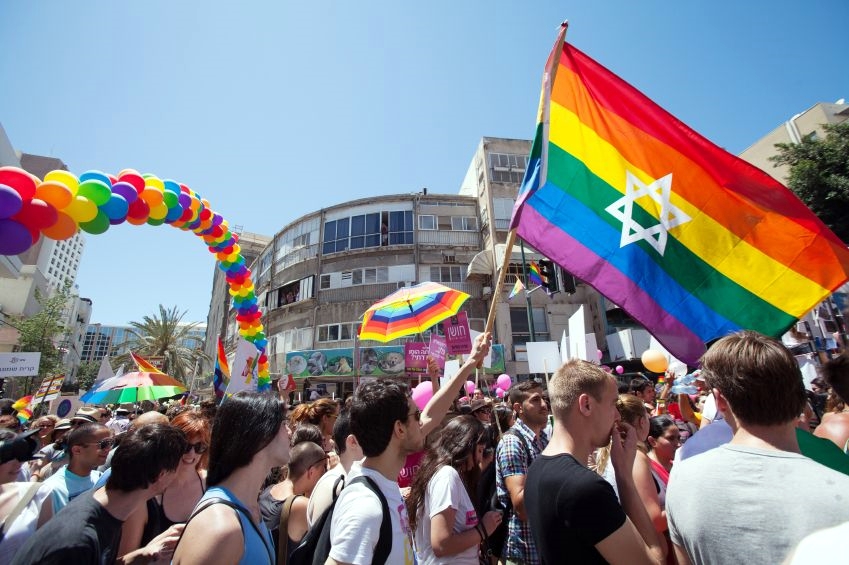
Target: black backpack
488	500
315	546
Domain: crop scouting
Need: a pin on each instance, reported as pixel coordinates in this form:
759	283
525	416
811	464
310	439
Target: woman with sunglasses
440	503
176	502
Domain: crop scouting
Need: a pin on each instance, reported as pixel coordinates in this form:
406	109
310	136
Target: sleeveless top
157	520
258	548
270	509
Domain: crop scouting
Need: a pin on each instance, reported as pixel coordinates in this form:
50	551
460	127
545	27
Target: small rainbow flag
22	407
222	372
143	364
690	240
534	274
517	288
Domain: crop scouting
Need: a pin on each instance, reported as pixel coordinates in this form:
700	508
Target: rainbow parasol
133	387
410	310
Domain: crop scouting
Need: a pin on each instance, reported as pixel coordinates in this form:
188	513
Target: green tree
87	374
44	332
819	174
165	336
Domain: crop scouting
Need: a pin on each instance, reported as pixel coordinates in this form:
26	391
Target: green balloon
95	190
98	225
171	199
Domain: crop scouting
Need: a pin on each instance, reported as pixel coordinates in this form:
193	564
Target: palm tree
166	337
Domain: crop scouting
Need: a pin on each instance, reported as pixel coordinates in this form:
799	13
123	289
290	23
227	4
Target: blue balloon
10	201
116	208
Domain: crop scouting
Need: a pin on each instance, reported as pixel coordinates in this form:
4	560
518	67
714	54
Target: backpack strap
384	541
239	510
29	493
518	436
283	531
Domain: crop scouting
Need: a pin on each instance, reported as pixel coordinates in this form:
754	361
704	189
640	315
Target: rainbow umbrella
410	310
133	387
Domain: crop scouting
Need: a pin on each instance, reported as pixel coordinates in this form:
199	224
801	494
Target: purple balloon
185	201
126	190
15	238
217	219
10	201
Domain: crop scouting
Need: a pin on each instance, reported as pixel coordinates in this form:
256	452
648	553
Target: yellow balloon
159	211
654	361
81	209
155	183
64	177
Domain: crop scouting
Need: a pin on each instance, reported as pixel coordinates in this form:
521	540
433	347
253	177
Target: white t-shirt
355	527
446	490
322	494
822	546
22	528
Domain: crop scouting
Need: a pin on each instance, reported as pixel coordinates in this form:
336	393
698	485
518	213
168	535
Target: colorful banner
457	334
415	358
380	361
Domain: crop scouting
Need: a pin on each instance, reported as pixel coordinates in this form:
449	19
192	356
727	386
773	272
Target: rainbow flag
22	407
691	241
534	274
222	372
517	288
144	365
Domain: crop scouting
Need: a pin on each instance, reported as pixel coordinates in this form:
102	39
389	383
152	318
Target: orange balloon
63	228
153	197
54	193
654	361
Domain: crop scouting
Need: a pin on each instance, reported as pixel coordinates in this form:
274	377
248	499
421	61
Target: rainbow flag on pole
690	240
143	364
517	288
534	274
222	372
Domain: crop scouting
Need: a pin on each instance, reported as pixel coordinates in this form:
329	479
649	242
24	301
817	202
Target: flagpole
527	294
499	286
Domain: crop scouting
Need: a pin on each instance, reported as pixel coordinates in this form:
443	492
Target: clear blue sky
274	109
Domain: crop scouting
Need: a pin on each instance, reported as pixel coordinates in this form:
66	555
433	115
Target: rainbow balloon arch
61	205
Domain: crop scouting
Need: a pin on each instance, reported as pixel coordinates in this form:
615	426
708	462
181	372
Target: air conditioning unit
486	291
402	284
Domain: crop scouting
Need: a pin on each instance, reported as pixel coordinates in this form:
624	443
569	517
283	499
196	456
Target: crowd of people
583	469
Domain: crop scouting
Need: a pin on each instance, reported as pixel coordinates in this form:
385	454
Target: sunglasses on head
199	447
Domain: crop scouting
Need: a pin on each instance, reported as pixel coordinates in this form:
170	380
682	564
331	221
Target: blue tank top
258	545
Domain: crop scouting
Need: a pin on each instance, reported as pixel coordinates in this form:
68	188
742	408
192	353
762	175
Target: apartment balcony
373	292
449	238
296	256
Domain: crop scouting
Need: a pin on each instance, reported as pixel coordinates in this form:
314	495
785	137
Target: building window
335	332
446	274
464	223
521	329
427	222
368	230
507	167
324	282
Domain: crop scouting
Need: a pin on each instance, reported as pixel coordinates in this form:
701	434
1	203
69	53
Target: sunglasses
104	443
199	447
322	461
417	415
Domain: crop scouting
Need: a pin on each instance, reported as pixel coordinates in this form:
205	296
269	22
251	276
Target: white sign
19	364
543	357
243	369
487	361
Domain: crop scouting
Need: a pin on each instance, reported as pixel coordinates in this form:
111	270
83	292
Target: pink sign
457	334
438	350
415	358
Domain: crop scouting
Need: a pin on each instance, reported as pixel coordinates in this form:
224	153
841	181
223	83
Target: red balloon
36	215
19	180
134	179
138	210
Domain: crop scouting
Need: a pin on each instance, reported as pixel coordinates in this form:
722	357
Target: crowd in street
581	469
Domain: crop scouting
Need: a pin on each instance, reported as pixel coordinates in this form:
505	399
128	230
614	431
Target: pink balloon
503	381
499	392
620	369
422	394
599	353
470	387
